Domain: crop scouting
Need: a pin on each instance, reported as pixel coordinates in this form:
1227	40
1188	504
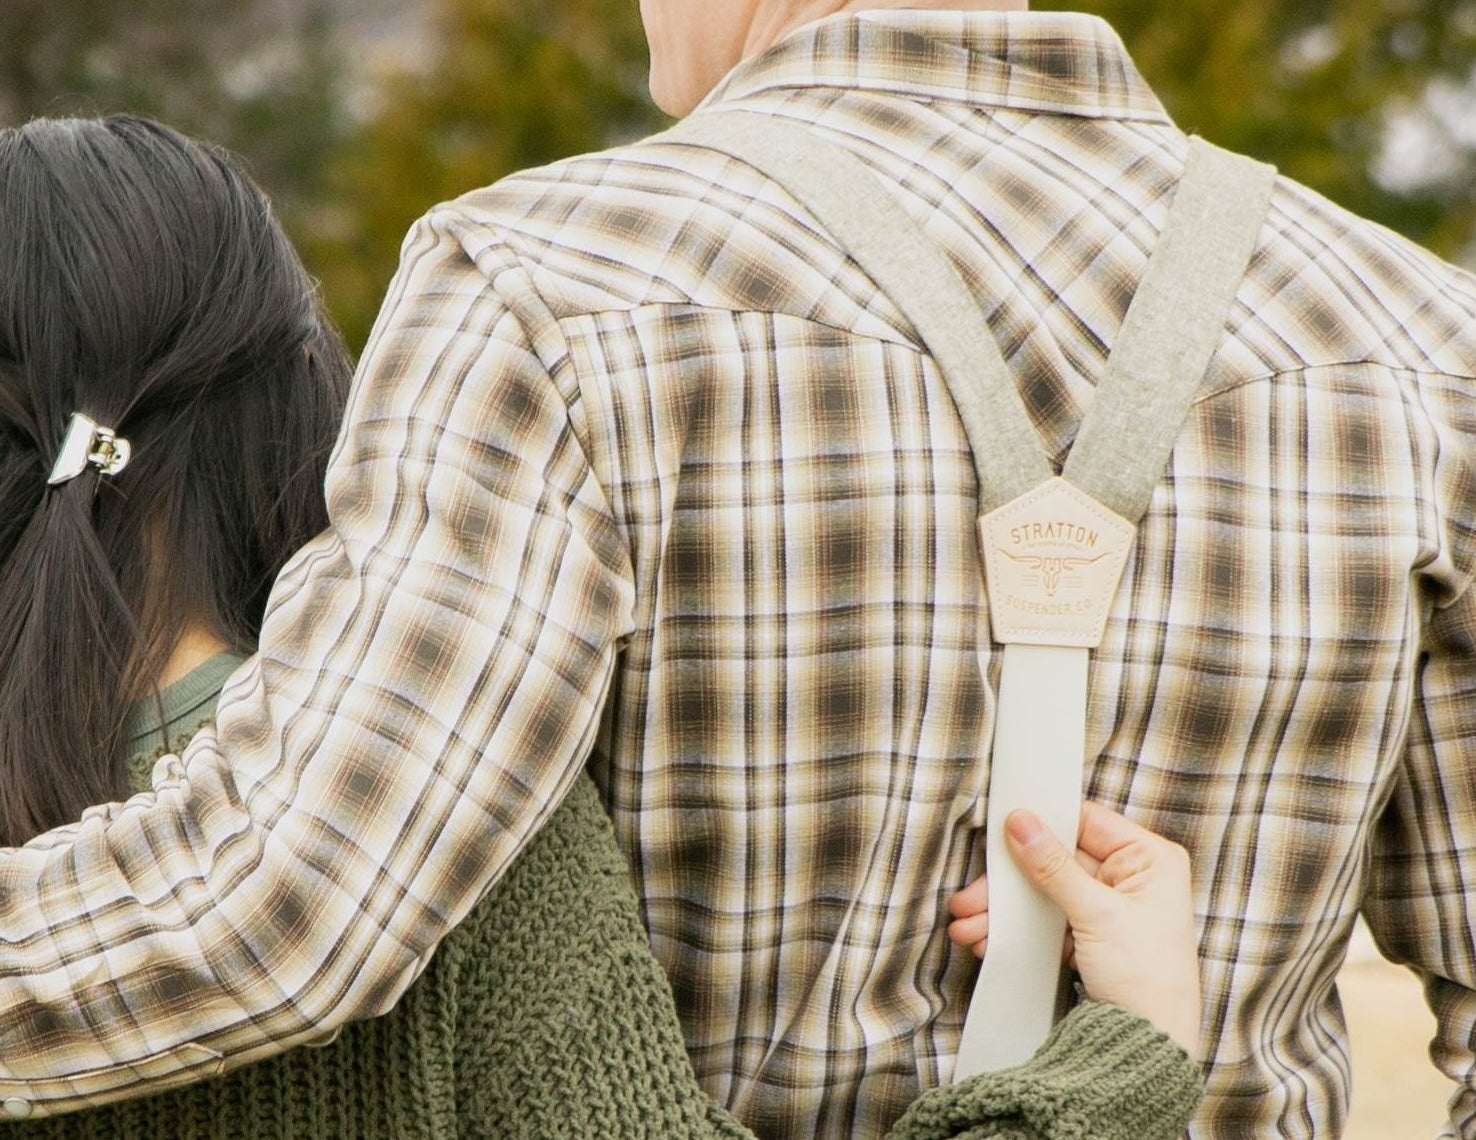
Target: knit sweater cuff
1103	1073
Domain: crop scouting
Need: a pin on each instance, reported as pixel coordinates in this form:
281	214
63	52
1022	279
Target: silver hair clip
87	444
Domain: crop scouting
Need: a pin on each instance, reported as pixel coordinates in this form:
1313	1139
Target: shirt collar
1044	62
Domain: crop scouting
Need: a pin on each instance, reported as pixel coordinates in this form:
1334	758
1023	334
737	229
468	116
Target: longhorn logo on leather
1052	567
1052	561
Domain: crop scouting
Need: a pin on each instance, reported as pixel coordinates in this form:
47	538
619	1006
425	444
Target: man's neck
776	20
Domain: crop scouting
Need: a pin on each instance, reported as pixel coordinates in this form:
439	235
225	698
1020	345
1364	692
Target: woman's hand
1127	897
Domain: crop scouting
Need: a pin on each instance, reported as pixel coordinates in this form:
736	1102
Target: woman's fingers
1110	838
1051	867
972	932
970	910
973	899
1132	922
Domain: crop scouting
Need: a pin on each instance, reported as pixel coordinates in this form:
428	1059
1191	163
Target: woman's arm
1103	1073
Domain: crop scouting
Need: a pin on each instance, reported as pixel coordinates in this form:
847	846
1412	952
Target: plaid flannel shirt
640	471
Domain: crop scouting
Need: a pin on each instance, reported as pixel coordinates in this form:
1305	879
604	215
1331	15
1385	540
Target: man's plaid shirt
640	470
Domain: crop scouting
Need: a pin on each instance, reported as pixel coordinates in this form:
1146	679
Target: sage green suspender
1053	547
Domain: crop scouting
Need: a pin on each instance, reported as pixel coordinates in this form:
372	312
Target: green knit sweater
544	1015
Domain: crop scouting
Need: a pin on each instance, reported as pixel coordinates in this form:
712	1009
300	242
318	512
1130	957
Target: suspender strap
1172	327
1170	333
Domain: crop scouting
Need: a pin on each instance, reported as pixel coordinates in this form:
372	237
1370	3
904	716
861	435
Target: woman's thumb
1048	865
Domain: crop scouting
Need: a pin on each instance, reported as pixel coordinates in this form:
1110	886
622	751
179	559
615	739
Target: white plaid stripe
638	461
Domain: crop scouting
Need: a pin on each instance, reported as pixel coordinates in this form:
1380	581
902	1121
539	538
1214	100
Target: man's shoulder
642	223
1344	288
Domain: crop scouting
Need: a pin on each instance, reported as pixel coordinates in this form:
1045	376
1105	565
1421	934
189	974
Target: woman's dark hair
145	284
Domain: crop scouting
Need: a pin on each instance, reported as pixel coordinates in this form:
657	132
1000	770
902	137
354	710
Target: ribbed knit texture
544	1016
1103	1074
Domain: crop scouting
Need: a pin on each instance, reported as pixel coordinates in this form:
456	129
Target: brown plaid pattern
640	469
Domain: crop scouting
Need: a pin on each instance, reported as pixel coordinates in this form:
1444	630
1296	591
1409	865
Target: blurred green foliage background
356	115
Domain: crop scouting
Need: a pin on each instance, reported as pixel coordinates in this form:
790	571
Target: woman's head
145	284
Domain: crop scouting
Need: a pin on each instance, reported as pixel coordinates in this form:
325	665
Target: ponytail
60	602
145	284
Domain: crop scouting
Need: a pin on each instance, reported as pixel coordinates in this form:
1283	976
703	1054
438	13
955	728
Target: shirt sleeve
1422	857
429	682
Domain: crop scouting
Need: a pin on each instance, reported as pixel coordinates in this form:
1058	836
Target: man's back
795	748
